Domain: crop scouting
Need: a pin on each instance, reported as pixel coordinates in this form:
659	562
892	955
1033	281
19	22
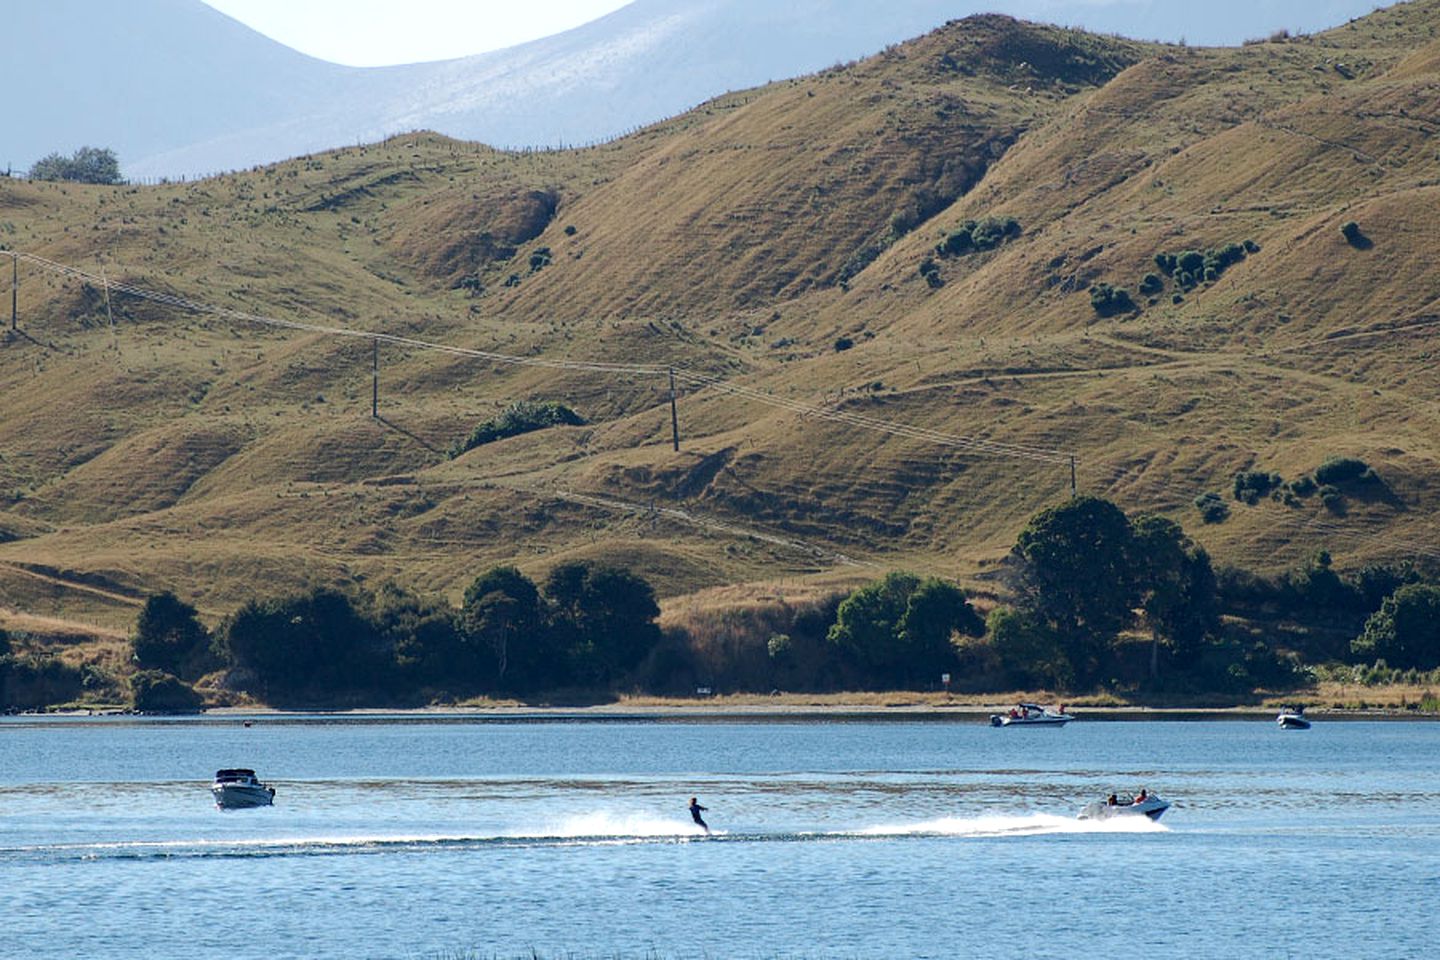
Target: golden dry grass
220	459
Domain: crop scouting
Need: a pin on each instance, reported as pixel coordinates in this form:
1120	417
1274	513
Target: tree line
1092	599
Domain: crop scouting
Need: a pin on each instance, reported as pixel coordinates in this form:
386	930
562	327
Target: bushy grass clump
522	416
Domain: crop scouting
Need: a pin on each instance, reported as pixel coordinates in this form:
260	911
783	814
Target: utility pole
14	289
674	414
375	379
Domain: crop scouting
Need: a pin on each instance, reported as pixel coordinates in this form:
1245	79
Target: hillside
742	243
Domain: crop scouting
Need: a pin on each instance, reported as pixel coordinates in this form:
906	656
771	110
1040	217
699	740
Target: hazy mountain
177	88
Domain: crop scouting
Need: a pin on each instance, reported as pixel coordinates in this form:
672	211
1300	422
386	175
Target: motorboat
1147	805
238	789
1031	715
1292	718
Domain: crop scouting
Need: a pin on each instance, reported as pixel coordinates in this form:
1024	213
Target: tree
168	635
1405	631
154	691
1177	586
423	636
1028	650
86	165
620	612
602	618
316	645
899	628
502	615
1075	574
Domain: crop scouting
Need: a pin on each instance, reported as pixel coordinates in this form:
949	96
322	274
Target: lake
459	837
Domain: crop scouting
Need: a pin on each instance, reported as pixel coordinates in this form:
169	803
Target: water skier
695	809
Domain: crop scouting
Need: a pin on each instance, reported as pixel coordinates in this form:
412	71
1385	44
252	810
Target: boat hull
996	720
1151	808
231	796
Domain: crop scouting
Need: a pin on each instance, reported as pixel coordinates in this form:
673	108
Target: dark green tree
1405	631
502	614
603	619
154	691
1076	575
425	638
168	636
1177	588
899	629
1028	650
315	646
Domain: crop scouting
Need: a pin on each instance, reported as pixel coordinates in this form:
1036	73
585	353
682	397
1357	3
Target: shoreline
920	710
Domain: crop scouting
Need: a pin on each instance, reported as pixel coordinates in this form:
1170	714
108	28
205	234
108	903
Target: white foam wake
609	824
1003	826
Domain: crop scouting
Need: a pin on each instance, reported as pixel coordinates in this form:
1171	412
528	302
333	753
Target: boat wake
595	830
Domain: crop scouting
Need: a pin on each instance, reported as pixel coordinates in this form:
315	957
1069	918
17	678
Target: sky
374	33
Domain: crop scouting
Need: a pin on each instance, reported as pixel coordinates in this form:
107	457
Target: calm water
444	838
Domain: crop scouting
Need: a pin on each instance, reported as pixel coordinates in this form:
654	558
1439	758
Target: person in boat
1142	796
695	810
1112	801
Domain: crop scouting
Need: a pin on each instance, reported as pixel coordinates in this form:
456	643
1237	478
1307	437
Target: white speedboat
1150	806
1292	718
1030	715
237	789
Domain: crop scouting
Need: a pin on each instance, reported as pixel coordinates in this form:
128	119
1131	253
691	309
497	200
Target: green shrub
1350	230
1332	499
1304	486
972	235
1212	507
540	259
1107	301
1251	485
154	691
1191	261
522	416
1151	284
843	343
1341	470
930	270
1194	266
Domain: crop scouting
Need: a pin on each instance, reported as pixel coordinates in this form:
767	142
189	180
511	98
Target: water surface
396	837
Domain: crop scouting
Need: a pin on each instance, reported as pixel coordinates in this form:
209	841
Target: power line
972	444
968	444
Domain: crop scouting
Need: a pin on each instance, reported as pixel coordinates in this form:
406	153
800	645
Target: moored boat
1031	715
1292	718
236	789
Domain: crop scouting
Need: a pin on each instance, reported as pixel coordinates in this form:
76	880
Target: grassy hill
769	245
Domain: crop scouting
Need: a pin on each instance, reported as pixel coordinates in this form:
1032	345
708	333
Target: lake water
396	837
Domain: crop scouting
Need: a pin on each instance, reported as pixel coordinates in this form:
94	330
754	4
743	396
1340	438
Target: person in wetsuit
695	809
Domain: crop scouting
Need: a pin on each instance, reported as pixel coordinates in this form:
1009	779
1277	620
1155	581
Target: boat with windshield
1145	805
1031	715
1292	718
235	789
